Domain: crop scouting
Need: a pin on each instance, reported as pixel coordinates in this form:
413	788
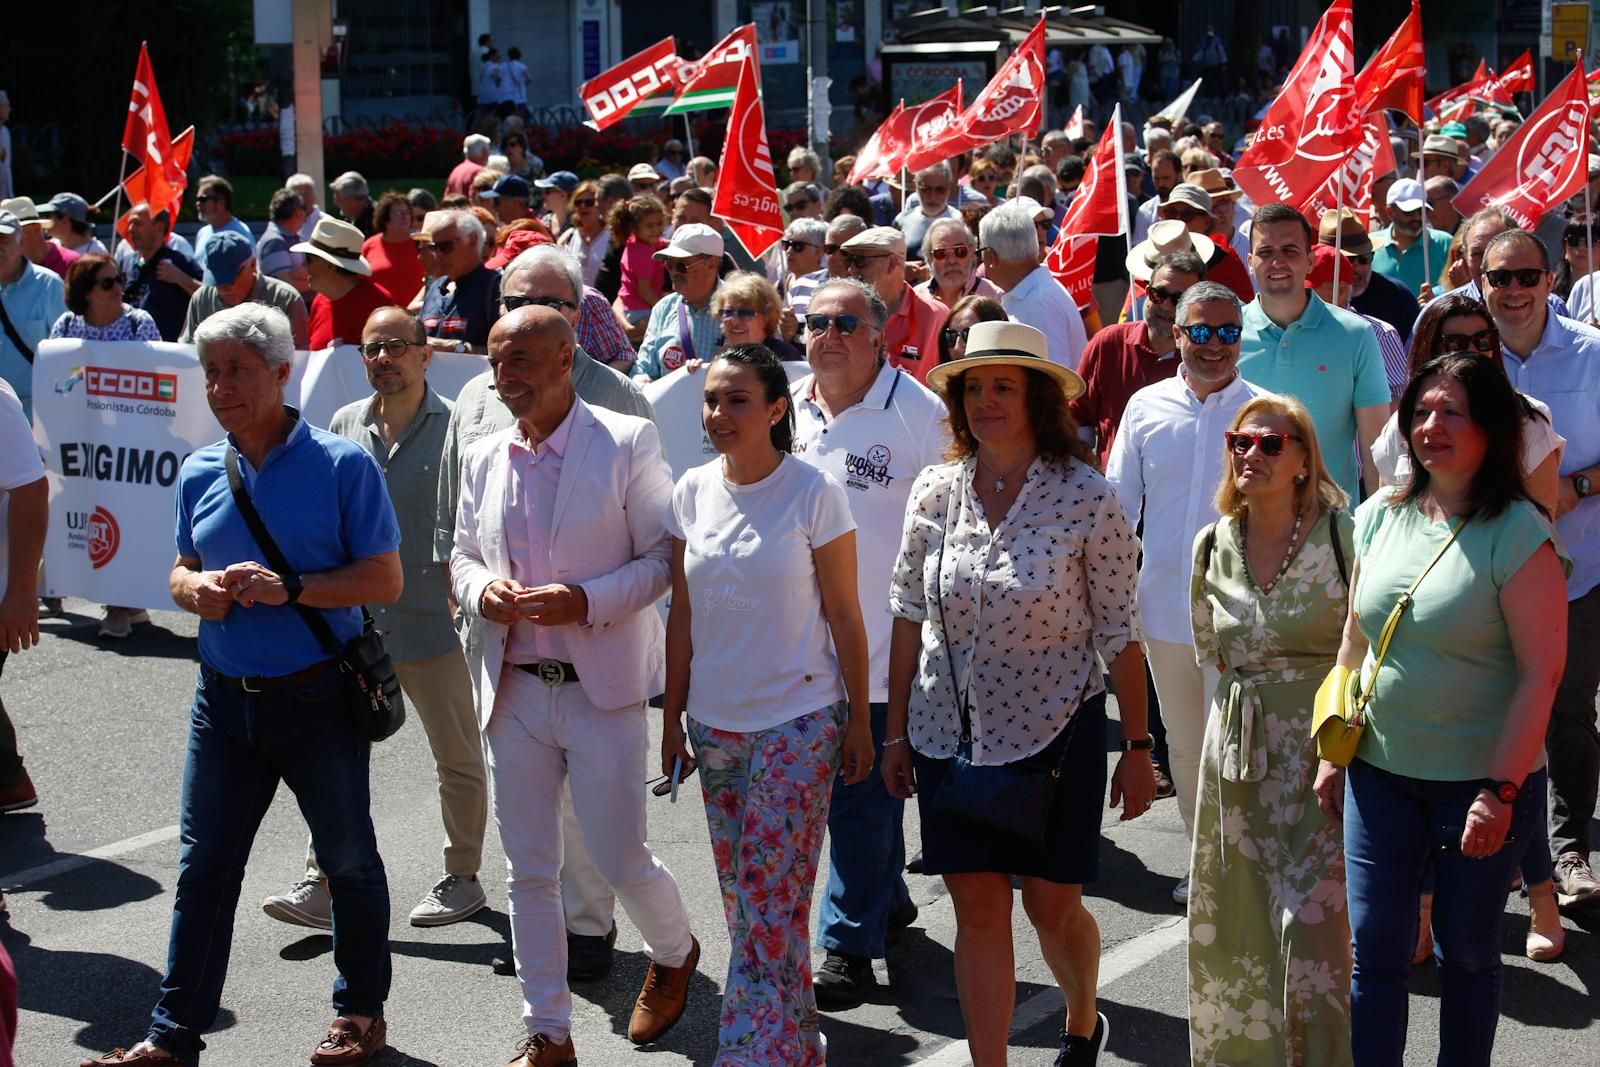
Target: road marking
83	859
1114	965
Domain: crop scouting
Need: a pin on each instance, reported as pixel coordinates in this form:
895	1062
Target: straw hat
1010	344
1214	182
1166	237
338	243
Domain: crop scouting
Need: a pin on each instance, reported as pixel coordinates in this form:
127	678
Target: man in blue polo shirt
31	300
270	696
158	278
1325	357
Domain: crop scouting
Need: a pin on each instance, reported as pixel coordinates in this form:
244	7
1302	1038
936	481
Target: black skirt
1070	854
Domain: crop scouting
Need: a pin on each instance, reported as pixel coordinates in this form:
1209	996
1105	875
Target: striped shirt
1396	360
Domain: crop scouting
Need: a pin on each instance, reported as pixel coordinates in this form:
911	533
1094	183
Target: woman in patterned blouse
1016	569
95	310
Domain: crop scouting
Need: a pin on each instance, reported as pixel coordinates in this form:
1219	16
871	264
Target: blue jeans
1393	826
240	746
866	858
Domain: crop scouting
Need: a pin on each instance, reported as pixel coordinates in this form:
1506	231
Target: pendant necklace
1288	553
1000	479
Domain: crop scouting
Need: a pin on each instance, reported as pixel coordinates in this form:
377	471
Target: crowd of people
1269	447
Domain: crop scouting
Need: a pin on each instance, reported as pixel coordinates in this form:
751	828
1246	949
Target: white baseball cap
1407	194
690	240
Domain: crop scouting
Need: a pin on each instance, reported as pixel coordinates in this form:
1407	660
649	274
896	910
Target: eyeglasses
1159	295
845	324
439	247
108	284
955	251
1527	278
1271	444
791	245
1483	341
742	314
1200	333
951	338
393	347
796	205
512	303
1363	260
587	201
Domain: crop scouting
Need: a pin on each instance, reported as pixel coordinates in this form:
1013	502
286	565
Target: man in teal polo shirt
1325	357
1398	248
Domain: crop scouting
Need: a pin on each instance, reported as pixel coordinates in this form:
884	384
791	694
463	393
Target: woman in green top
1269	946
1458	711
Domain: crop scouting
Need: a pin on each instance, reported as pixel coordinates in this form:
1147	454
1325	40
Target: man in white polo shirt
873	427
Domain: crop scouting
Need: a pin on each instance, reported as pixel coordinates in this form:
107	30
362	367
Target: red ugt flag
611	95
1314	122
1010	103
145	135
1351	185
1394	75
1543	164
903	131
747	188
1100	208
878	156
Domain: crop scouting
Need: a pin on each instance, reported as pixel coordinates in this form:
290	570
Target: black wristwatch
292	585
1143	744
1506	792
1581	485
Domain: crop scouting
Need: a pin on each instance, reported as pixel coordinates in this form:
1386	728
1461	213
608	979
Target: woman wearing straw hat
1016	570
342	279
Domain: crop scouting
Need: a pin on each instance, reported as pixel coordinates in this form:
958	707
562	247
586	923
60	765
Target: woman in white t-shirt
767	651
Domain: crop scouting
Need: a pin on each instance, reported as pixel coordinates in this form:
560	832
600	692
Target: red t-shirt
1117	363
460	181
396	266
345	318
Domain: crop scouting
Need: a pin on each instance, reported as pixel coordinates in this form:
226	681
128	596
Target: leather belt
260	684
551	671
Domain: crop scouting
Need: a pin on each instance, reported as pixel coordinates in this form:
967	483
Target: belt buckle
550	672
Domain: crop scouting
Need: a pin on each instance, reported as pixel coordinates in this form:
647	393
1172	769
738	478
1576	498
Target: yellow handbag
1339	714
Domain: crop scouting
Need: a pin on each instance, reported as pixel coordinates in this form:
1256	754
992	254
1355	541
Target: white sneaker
451	900
118	623
307	904
1180	892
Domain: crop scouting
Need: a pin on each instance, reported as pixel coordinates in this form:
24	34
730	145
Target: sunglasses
512	303
684	266
1271	444
1185	214
1159	295
742	314
954	252
791	245
440	247
1363	260
798	205
845	324
831	250
203	197
1200	333
587	201
1526	278
951	338
856	261
108	284
1483	341
393	347
935	190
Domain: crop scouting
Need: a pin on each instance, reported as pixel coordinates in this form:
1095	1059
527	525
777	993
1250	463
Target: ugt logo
105	536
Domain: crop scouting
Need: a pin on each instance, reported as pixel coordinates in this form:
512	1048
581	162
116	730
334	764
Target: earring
1300	479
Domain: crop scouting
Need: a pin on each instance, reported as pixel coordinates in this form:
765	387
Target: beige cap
877	239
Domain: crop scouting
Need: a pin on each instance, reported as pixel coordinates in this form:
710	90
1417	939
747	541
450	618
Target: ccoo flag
713	80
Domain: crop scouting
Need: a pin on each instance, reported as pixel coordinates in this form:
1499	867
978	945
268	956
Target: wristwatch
1505	791
292	585
1143	744
1581	486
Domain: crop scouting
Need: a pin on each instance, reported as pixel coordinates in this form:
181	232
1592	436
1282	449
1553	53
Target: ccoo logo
105	536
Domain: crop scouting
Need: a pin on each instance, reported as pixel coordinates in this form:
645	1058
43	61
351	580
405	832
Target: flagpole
1338	241
117	213
1588	238
688	133
1427	271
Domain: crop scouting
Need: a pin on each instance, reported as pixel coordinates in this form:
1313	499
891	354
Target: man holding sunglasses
1399	247
877	256
682	326
1165	465
1557	361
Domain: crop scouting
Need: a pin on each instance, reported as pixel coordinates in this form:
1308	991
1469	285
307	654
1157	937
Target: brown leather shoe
663	998
540	1051
345	1044
134	1057
22	795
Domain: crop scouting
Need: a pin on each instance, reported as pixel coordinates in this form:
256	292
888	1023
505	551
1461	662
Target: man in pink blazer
561	549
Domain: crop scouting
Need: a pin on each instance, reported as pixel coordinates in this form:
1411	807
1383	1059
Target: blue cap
225	253
512	185
564	180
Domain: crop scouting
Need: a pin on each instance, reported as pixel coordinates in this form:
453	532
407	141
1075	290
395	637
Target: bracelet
896	741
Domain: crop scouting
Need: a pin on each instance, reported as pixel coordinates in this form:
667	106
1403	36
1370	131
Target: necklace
1000	479
1288	553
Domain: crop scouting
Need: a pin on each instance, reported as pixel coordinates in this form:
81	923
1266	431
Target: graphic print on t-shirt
726	547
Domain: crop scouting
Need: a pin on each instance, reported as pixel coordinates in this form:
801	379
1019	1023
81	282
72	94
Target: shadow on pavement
1125	879
148	641
96	885
1138	1035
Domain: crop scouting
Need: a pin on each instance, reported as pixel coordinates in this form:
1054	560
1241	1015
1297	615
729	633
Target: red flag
651	73
1543	164
1373	157
1098	209
903	131
145	135
1518	78
712	81
930	122
747	189
1393	76
877	157
168	194
1313	124
1010	103
1451	97
1074	128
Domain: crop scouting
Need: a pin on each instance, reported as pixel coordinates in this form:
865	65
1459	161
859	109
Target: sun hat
1437	144
1352	236
642	172
1011	344
25	211
1166	237
1189	194
338	243
1215	183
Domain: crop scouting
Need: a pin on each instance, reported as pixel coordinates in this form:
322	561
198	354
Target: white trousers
1185	693
540	739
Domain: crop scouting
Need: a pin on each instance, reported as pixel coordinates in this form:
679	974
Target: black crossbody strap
13	336
313	618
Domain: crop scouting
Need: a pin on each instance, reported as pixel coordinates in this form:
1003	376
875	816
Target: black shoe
915	864
589	958
903	916
504	963
1084	1051
842	981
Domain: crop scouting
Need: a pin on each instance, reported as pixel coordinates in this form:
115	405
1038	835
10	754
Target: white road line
1114	965
83	859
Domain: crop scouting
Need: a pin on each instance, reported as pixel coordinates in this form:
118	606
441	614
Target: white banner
114	421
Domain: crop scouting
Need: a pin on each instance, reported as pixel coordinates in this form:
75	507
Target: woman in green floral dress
1269	940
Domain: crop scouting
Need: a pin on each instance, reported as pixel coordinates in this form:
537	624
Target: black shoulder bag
13	336
368	669
1014	798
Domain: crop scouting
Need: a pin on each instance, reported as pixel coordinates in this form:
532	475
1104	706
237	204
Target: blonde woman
748	309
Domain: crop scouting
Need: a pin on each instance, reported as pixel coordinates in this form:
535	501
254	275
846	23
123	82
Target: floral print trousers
766	795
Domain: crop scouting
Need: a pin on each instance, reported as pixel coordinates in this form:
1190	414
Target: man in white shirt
874	428
1031	293
933	188
24	498
1165	466
561	550
305	186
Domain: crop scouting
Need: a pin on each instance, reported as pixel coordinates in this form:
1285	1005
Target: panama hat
338	243
1166	237
1012	344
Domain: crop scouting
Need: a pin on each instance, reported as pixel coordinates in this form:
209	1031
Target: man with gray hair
1442	213
1031	293
873	428
352	200
275	249
951	253
270	693
474	155
305	187
933	188
805	268
802	200
460	301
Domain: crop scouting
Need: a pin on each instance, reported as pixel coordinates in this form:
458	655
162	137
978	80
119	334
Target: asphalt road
88	875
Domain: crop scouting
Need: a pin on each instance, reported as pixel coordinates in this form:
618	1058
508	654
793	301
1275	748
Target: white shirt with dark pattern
1025	607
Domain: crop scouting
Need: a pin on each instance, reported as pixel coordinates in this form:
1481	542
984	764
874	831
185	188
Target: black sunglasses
791	245
441	247
951	338
1200	333
831	250
1363	260
1483	341
1579	237
1527	278
846	324
1161	295
798	205
1271	444
110	283
587	201
512	303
